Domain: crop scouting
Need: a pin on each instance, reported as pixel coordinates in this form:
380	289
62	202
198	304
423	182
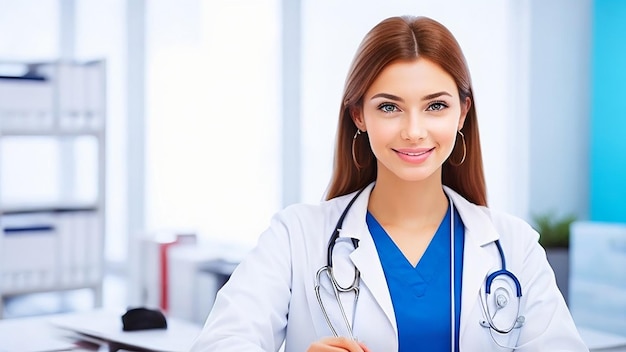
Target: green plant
553	230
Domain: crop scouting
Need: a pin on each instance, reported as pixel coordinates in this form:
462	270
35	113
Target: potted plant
554	231
554	234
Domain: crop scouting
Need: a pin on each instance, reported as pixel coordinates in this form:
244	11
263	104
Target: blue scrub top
421	294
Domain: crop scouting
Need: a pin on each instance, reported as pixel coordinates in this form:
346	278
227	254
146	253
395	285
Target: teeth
415	154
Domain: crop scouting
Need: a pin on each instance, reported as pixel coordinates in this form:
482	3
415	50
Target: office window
213	117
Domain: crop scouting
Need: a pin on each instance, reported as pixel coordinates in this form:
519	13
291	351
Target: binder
27	256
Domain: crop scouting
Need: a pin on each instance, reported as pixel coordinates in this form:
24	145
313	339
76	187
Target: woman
407	209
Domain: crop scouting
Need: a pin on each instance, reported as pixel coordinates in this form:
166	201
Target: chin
415	176
404	173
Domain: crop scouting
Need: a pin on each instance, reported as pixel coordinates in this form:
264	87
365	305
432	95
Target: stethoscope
501	295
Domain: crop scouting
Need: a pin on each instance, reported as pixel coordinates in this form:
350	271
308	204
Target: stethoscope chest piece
501	302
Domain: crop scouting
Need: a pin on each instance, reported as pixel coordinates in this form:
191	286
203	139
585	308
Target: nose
414	128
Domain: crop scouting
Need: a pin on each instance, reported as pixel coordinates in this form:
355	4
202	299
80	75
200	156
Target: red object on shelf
163	266
163	248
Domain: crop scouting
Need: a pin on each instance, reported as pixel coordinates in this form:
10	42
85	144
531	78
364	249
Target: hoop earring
464	152
356	163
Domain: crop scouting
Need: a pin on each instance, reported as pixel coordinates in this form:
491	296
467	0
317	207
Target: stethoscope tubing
328	269
355	284
336	291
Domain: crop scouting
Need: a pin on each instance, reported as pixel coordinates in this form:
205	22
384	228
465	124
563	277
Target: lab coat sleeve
549	325
250	311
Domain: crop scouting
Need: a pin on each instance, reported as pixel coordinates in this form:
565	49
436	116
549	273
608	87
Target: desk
98	330
602	341
63	332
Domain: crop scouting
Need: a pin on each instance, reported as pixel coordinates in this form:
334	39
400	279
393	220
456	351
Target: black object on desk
143	319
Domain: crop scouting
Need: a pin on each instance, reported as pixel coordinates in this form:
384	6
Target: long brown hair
406	38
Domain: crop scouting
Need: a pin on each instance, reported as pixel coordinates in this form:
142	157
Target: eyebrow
396	98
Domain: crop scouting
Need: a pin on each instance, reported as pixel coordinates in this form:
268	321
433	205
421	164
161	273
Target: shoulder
489	224
307	210
506	223
304	230
515	234
316	215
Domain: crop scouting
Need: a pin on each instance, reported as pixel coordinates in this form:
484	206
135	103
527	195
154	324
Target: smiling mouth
415	154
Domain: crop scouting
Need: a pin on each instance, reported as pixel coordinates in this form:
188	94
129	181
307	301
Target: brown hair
405	38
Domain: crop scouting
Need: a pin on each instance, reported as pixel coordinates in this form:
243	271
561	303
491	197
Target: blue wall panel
608	112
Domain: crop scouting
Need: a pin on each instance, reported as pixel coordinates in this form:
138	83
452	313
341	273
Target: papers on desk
106	326
31	335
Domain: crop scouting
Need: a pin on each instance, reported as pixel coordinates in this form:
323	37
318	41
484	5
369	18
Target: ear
357	117
465	107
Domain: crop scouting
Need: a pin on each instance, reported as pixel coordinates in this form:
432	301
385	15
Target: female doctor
405	226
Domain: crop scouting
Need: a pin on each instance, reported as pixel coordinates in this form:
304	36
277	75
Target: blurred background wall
220	113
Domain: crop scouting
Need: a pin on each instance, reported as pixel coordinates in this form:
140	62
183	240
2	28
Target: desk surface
602	341
30	335
60	332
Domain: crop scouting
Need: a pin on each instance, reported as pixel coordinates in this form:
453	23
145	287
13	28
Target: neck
408	204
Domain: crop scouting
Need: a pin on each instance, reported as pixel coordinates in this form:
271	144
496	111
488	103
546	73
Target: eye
437	106
387	107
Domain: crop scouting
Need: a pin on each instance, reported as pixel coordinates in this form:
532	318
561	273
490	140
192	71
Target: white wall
100	34
20	39
559	107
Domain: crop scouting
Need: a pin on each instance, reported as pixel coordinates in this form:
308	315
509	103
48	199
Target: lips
414	152
414	155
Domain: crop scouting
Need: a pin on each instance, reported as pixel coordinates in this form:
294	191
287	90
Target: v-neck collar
417	278
479	231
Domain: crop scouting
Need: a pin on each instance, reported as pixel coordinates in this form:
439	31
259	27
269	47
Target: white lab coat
270	297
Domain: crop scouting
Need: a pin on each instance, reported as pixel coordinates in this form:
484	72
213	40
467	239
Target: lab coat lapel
365	257
477	264
343	267
478	258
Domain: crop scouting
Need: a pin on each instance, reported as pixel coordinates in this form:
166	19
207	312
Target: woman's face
411	113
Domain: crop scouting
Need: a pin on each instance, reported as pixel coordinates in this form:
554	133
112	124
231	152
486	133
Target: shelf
47	208
57	242
49	132
55	98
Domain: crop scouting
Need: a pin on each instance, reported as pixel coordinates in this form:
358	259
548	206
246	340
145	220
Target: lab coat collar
354	225
475	218
478	261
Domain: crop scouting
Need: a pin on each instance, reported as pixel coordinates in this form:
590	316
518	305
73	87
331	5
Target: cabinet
52	177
